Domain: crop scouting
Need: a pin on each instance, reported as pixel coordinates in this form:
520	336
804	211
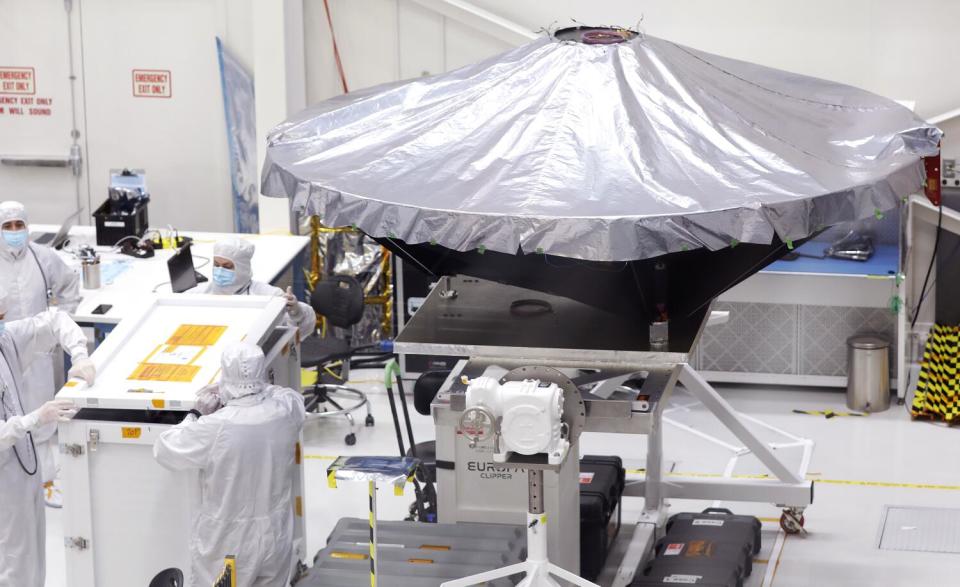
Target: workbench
789	323
126	280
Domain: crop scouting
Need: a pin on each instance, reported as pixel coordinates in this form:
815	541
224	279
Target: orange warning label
152	83
196	335
130	432
162	372
18	80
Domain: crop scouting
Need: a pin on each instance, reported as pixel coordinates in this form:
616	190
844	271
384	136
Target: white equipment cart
125	517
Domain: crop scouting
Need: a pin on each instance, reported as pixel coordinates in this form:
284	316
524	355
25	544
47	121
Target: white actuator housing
529	413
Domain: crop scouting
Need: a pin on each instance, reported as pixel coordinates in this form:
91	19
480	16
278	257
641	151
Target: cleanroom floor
861	465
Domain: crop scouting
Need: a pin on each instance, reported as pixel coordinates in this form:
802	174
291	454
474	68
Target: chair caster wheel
369	421
351	439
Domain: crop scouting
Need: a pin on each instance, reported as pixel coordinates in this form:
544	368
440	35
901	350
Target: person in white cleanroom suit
233	275
22	515
244	444
36	279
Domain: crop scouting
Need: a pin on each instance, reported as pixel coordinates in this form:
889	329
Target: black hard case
602	480
717	524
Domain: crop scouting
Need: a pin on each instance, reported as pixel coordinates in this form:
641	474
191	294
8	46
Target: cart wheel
792	522
369	421
351	439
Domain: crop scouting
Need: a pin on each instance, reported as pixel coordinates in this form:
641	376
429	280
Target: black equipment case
688	555
112	227
602	480
717	524
714	547
702	576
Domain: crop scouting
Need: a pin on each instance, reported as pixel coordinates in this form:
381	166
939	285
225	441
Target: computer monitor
182	274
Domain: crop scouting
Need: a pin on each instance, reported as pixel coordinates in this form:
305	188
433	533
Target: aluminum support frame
719	407
644	537
787	489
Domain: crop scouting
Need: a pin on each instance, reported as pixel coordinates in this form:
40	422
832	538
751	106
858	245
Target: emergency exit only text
152	83
18	80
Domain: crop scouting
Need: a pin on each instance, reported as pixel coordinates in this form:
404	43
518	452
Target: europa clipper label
491	471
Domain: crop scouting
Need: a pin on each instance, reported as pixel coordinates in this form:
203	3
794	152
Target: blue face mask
15	238
223	276
3	326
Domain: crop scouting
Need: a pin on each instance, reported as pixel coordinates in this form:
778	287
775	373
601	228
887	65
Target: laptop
182	274
57	239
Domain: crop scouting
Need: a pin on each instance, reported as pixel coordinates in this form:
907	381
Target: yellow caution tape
398	489
891	484
830	413
761	476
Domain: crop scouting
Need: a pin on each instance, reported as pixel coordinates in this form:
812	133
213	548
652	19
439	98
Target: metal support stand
788	488
538	569
708	396
607	345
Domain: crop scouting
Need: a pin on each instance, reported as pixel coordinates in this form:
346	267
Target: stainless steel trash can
868	373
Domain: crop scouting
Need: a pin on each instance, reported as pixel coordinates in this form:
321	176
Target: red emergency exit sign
18	80
152	83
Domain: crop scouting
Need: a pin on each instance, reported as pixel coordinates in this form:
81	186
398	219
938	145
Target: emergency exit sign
18	80
152	83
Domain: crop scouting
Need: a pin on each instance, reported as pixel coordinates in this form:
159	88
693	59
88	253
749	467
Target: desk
883	263
789	323
136	278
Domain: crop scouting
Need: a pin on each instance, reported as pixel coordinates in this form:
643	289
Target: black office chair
339	299
425	389
168	578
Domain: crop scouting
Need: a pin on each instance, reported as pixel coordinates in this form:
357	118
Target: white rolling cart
125	517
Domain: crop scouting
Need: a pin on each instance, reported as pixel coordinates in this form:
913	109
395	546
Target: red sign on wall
18	89
152	83
18	80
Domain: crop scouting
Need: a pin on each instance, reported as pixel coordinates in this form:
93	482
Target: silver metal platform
482	321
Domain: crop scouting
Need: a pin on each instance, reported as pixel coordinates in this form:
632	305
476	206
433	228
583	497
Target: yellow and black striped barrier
937	396
228	576
373	533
